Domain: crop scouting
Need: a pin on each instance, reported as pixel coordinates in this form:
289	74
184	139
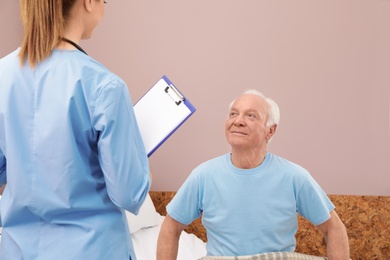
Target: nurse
71	154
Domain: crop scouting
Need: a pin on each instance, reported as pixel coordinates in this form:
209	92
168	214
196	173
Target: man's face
245	127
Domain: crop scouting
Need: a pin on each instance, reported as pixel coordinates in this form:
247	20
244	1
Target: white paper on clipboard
160	112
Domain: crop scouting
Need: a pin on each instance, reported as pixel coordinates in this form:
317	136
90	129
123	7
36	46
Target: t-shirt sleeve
313	203
186	206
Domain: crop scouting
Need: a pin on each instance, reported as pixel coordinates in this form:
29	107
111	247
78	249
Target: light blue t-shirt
72	157
250	211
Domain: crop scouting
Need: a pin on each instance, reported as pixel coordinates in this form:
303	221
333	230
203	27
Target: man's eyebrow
254	110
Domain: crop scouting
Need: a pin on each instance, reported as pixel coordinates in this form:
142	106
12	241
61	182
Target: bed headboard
367	219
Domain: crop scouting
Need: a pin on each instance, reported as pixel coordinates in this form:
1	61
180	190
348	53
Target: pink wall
325	62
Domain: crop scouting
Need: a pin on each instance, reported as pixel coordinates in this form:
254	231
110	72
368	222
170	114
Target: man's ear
271	132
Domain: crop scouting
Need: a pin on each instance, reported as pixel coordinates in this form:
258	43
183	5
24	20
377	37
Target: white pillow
147	216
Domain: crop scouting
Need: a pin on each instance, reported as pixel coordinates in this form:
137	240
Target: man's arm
336	237
168	239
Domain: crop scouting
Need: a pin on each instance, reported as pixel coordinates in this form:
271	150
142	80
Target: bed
145	228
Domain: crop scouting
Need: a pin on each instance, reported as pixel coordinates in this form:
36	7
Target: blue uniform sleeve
122	154
3	175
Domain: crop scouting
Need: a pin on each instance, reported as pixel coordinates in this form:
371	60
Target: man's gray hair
273	111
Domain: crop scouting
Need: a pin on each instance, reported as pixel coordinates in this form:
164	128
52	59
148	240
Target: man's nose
239	121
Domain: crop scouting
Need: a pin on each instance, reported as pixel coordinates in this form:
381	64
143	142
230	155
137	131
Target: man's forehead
251	100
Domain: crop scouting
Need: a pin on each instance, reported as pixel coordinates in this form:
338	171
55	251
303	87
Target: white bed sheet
145	244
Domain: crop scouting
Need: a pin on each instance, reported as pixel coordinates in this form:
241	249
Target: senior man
249	198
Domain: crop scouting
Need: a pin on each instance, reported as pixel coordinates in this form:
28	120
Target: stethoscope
74	44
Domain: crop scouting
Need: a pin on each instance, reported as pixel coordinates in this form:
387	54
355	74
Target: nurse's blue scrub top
72	157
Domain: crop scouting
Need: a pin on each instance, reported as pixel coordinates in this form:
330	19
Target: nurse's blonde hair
43	23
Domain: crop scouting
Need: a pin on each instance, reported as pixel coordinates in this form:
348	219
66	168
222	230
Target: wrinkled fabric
72	158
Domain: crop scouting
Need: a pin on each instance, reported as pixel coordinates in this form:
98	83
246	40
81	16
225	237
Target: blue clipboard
160	112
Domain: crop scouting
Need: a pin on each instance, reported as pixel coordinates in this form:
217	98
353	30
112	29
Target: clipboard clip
174	94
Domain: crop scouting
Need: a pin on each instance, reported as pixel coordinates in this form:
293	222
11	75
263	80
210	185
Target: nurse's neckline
74	44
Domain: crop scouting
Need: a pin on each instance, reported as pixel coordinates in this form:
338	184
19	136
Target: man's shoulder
286	164
214	165
216	161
